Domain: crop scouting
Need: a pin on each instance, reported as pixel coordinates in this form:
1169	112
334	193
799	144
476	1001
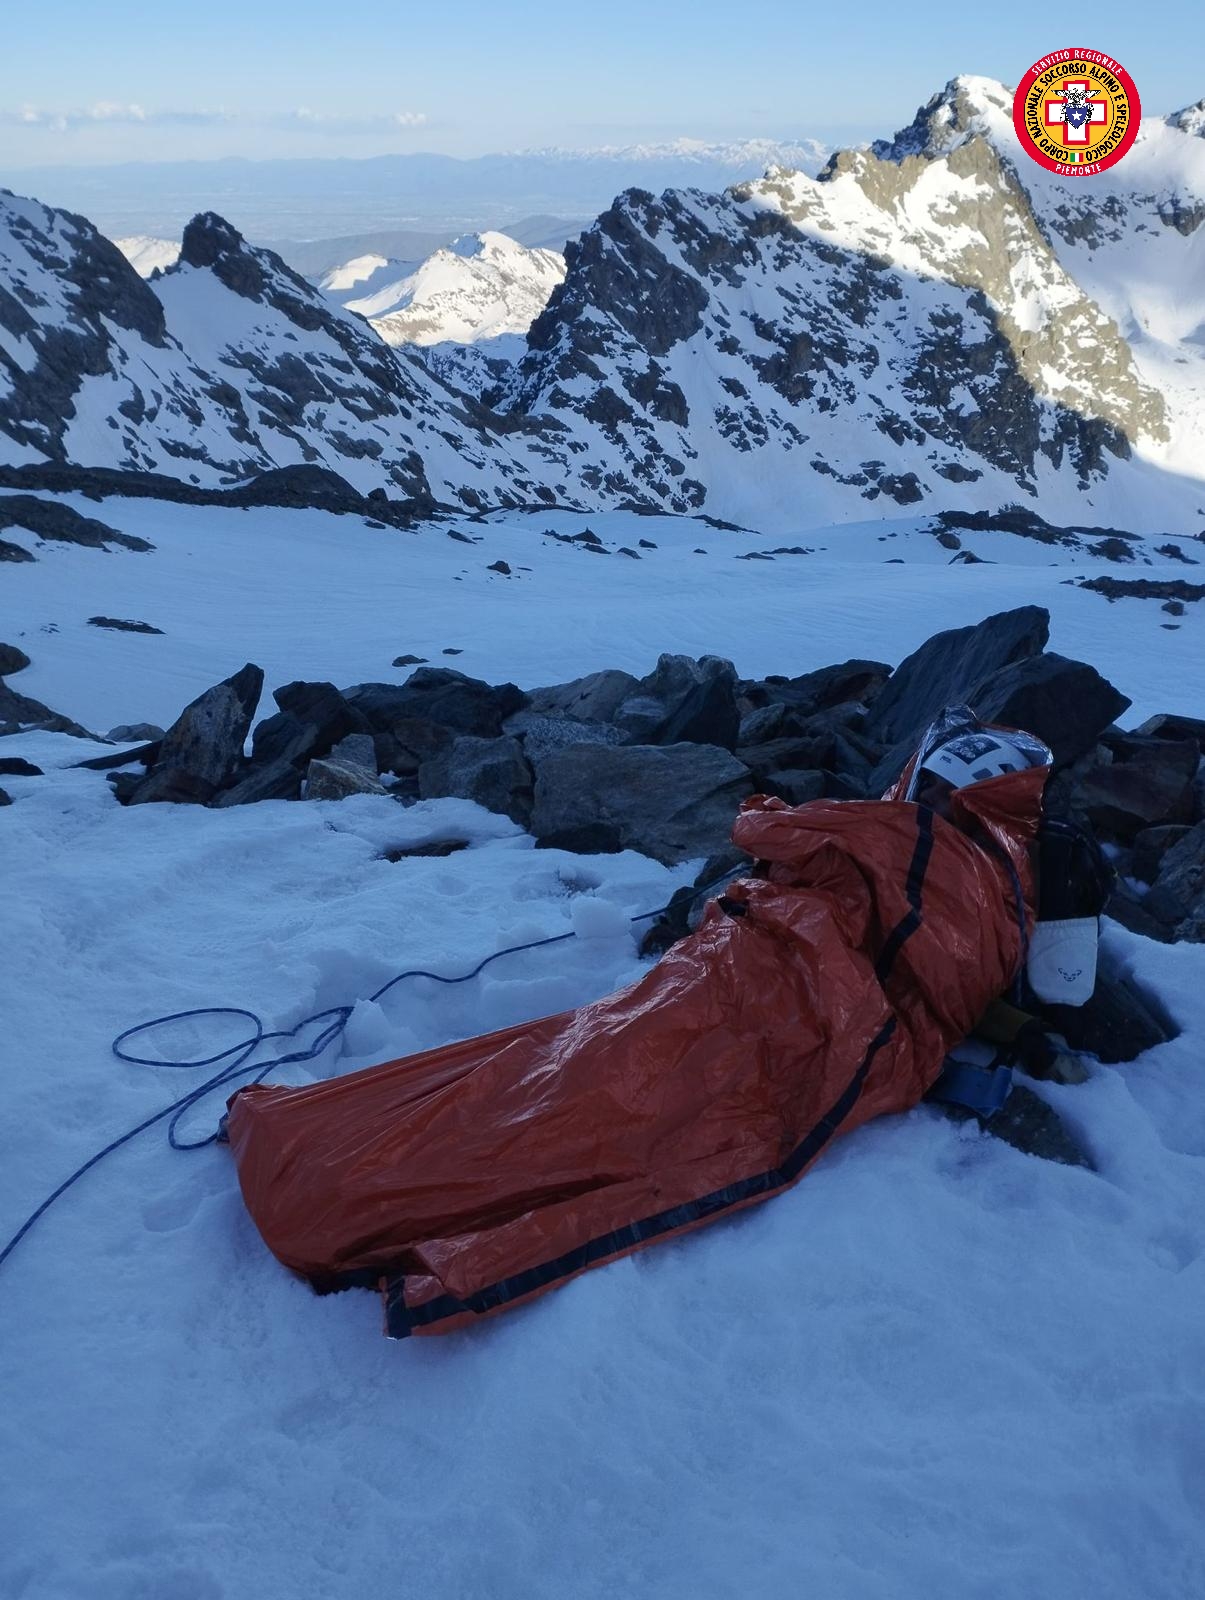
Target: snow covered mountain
480	287
228	365
908	326
147	255
467	307
932	321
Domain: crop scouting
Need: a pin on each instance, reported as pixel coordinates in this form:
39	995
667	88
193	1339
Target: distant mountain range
933	321
274	202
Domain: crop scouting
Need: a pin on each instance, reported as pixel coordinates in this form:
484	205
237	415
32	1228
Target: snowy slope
147	255
935	1368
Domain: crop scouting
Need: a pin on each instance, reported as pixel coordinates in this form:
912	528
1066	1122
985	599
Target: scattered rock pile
660	764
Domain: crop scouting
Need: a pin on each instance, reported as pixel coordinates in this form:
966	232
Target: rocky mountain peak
1189	119
965	107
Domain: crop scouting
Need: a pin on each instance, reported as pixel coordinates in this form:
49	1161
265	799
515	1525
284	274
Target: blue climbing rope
239	1065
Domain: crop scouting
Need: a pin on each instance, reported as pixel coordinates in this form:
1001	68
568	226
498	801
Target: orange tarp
821	993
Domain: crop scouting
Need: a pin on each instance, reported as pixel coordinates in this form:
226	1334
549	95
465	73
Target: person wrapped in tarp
821	990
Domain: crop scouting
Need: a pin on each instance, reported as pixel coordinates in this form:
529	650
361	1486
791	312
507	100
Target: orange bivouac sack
812	998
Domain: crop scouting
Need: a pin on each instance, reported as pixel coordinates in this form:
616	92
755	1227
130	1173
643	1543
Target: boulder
669	802
948	668
493	772
18	712
135	733
1178	894
594	698
1141	784
312	718
794	786
1168	725
850	682
357	750
203	749
332	779
268	780
439	694
12	660
1150	847
683	701
804	754
6	799
539	732
18	767
409	742
1067	704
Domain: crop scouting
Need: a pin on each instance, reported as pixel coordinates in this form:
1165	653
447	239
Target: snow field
936	1368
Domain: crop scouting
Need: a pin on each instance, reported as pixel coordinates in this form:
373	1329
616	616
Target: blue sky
127	80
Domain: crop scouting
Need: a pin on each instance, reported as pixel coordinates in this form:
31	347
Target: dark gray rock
683	701
796	786
357	750
1139	783
800	751
303	485
849	681
270	780
439	694
1168	725
408	743
19	712
1178	894
1150	847
203	749
686	906
122	625
18	767
668	802
12	660
6	799
135	732
50	519
1118	1023
332	779
1067	704
313	717
146	754
492	772
540	733
594	698
948	668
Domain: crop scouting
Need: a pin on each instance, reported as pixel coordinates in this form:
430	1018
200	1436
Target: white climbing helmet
974	755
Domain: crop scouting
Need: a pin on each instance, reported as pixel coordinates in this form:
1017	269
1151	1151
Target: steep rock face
84	350
322	386
893	327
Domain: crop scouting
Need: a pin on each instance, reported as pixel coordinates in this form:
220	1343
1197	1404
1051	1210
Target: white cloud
114	113
335	122
107	111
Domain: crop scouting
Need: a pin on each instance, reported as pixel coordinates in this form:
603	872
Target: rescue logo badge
1076	112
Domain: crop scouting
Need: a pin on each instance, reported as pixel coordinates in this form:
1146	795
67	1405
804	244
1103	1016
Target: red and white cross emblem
1075	97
